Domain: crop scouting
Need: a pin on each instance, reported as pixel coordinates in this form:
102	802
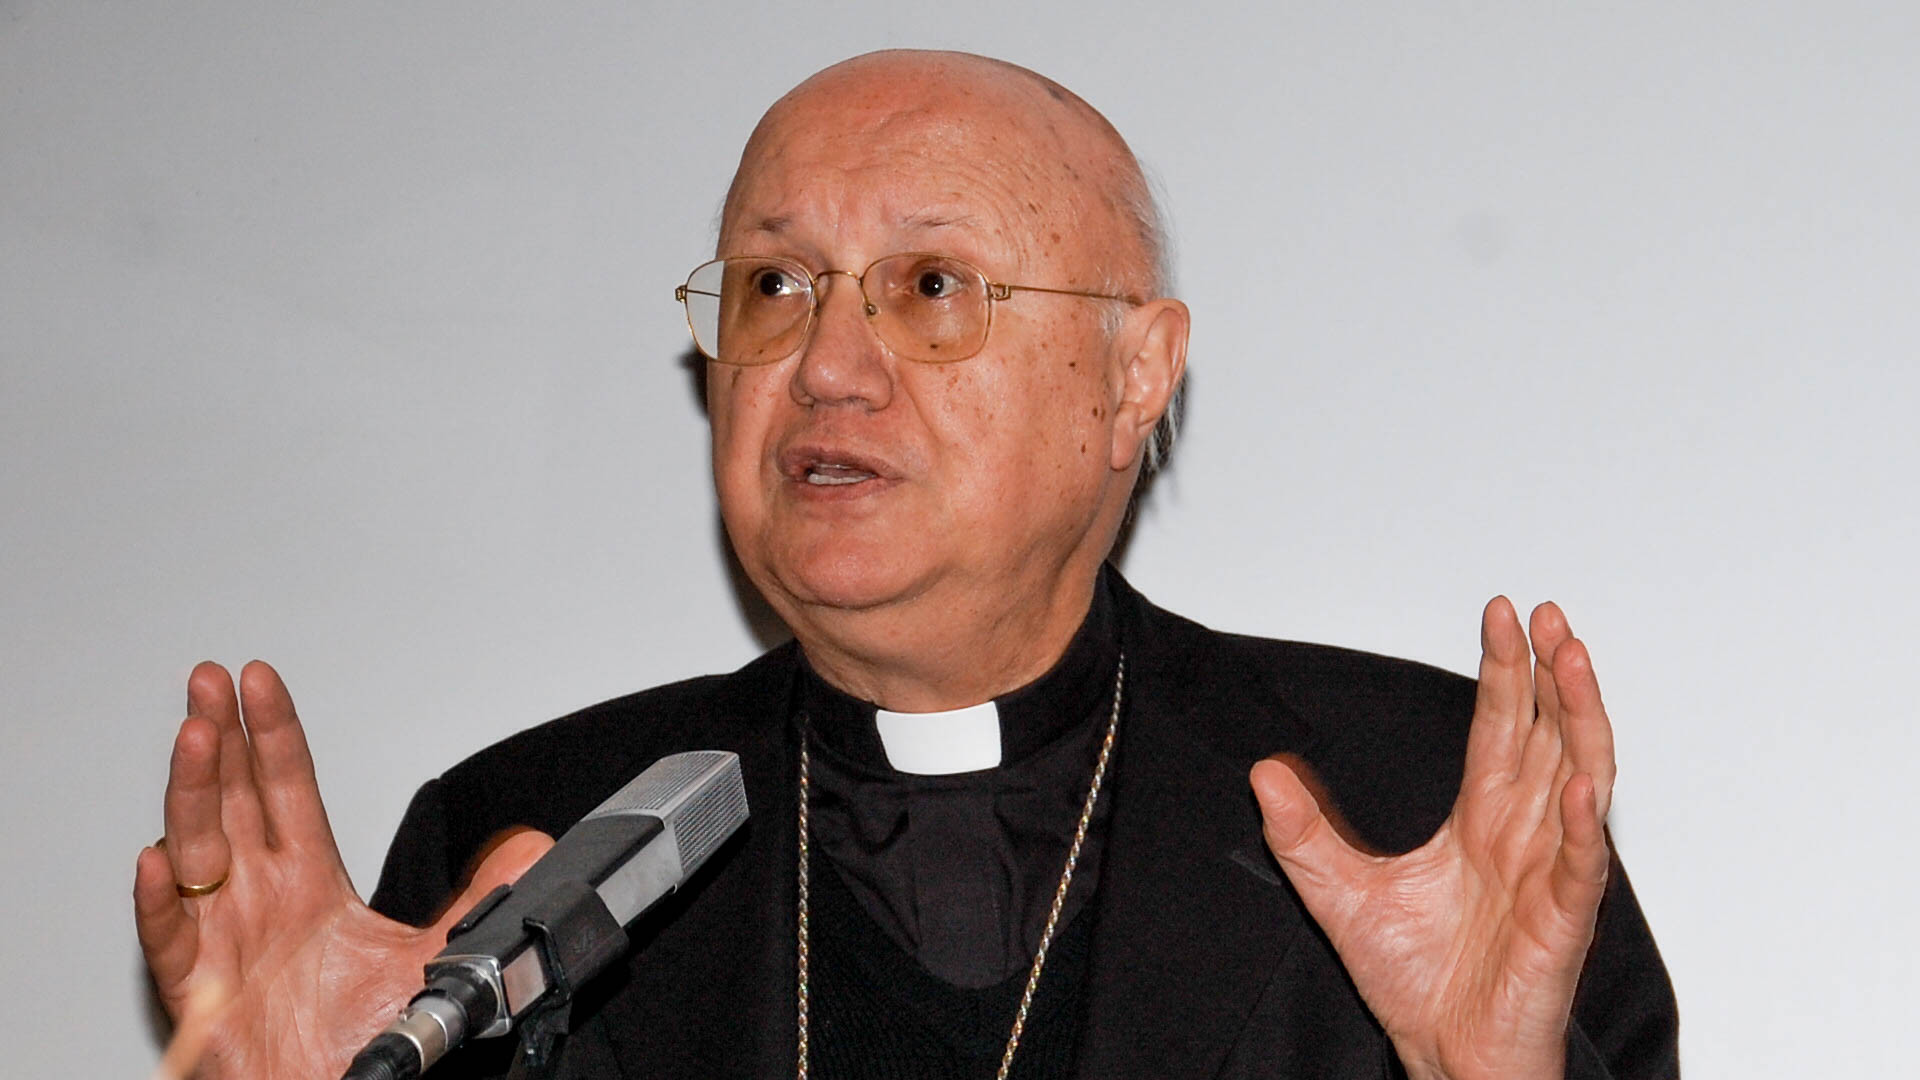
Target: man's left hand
1468	949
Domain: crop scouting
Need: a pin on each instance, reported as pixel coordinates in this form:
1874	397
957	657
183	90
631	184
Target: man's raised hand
295	971
1468	949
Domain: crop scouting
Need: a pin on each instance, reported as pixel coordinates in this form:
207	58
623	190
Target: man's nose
843	360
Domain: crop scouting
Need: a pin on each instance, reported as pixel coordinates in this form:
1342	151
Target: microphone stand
543	1033
579	939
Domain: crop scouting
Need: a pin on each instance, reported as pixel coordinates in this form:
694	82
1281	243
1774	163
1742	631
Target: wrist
1432	1064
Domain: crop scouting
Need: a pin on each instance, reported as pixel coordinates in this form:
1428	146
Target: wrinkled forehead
858	186
933	163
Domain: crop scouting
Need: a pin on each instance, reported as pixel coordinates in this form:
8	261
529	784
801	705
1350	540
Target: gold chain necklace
1053	915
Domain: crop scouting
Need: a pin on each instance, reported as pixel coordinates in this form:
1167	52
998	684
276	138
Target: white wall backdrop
343	337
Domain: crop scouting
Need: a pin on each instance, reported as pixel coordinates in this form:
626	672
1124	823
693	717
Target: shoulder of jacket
1320	684
587	753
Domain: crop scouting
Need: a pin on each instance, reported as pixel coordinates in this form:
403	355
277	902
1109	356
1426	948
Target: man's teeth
836	474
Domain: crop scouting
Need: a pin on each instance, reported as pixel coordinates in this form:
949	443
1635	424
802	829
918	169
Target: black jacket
1203	962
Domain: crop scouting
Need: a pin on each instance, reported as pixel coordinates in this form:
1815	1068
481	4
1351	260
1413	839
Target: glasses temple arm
1001	291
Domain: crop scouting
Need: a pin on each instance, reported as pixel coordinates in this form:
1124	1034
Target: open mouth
820	467
826	474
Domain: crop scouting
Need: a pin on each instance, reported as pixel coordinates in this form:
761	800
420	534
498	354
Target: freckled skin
964	569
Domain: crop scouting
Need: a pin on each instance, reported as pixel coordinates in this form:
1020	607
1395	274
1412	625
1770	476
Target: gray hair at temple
1143	207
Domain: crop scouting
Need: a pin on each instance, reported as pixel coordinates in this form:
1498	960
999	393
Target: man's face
853	480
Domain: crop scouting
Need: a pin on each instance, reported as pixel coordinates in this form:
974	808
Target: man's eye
935	284
773	282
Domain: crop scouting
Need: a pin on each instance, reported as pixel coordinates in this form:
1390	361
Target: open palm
1468	949
290	971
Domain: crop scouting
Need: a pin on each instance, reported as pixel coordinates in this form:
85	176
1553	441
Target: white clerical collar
937	743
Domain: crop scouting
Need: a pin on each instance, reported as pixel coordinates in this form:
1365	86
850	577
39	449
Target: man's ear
1153	360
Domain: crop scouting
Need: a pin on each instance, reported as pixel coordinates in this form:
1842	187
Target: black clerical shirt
960	870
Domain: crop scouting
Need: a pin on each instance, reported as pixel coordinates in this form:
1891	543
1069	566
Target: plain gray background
341	335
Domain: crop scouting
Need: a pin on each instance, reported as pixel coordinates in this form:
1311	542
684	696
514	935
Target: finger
196	845
1584	724
193	1029
210	695
1544	768
1321	865
1580	869
1547	629
169	938
1503	698
1541	776
282	763
510	857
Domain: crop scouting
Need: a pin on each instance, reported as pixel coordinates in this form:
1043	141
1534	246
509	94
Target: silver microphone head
698	795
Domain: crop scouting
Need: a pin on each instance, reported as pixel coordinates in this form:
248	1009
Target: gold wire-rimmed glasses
757	309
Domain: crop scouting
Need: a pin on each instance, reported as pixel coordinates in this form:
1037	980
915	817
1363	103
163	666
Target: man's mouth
820	466
823	474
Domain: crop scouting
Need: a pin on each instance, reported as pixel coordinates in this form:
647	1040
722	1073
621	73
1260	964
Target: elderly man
1015	791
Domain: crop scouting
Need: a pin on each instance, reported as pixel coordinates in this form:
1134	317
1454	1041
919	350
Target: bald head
1052	150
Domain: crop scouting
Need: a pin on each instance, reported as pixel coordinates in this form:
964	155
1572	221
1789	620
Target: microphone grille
663	784
711	815
700	794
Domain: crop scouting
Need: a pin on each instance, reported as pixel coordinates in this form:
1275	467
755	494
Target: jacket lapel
1193	918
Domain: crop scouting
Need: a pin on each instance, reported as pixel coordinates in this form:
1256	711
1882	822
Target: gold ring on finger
188	891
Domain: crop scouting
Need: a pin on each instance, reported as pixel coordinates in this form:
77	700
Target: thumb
509	856
1299	833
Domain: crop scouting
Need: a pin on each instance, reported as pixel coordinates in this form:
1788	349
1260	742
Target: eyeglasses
751	310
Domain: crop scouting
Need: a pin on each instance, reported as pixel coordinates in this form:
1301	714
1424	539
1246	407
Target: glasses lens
748	310
932	308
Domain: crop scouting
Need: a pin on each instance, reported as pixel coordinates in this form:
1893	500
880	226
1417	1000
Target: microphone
527	946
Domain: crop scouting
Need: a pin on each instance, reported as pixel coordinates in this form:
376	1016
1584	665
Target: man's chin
842	587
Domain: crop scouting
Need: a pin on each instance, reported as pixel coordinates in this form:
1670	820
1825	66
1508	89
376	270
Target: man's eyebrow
936	219
925	220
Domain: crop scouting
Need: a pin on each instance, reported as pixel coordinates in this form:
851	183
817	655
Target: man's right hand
303	972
